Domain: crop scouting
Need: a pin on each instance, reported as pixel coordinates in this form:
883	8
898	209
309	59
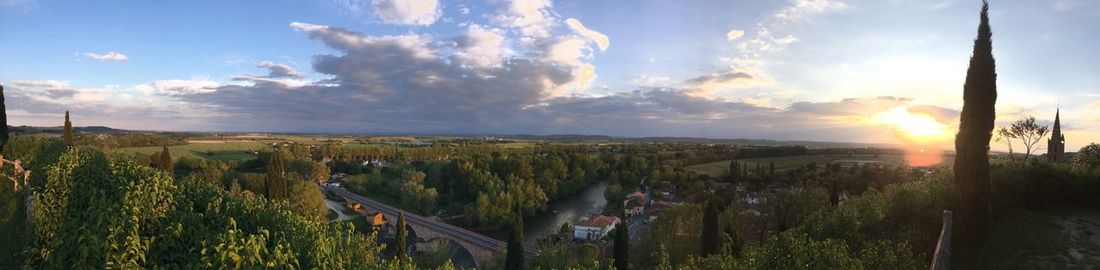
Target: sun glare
920	127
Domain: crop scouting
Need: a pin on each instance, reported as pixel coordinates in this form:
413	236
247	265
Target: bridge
481	247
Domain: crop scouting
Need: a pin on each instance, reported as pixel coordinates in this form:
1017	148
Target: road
455	233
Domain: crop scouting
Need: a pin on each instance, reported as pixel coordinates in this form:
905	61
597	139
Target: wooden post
942	258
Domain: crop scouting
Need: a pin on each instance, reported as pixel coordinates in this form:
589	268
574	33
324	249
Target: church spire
1056	145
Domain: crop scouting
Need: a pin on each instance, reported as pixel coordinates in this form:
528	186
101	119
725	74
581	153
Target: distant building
595	227
634	206
1056	145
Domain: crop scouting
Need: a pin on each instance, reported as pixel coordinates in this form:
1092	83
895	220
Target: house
656	207
338	178
594	228
634	206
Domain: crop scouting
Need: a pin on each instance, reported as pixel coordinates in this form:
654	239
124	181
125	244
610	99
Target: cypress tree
771	168
514	257
972	142
68	135
734	170
622	243
3	120
164	161
276	182
402	237
710	238
735	242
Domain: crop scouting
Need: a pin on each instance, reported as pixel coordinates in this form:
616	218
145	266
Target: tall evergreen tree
735	171
514	258
68	135
771	168
164	161
3	120
734	242
972	142
276	178
622	243
402	237
710	240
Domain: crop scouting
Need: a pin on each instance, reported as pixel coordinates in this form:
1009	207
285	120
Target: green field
206	151
718	168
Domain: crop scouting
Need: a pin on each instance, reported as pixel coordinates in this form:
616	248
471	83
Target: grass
719	168
1028	240
332	215
219	151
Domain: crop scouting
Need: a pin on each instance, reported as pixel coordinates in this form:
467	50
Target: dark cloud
849	106
720	77
280	70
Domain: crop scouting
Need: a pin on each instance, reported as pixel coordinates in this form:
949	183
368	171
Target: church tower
1056	145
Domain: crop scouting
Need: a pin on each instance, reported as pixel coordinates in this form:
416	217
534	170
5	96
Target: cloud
46	89
600	39
531	17
800	10
1069	5
734	34
408	12
109	56
727	79
178	87
480	47
280	70
650	81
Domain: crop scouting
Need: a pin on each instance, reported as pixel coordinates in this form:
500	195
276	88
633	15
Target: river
589	201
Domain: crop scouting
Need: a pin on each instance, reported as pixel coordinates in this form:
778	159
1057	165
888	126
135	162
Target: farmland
234	150
718	168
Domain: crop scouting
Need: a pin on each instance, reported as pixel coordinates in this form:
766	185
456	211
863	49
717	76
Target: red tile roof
599	221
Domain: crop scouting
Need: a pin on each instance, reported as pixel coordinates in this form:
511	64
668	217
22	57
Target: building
634	206
594	228
1056	145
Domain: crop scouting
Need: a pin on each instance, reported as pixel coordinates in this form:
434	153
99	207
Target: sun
920	127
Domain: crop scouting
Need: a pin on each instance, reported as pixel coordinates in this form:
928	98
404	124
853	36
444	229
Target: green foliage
709	239
402	237
35	153
276	178
622	243
972	142
305	198
1087	159
68	133
514	259
3	121
101	213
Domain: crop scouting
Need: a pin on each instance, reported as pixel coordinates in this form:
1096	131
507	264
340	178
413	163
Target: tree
402	237
3	120
514	257
622	243
972	142
735	170
163	161
1028	132
1087	159
68	135
1005	136
710	240
276	178
306	199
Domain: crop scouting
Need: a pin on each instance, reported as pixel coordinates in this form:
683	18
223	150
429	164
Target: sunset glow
914	127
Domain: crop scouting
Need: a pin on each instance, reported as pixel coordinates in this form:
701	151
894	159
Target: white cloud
463	9
650	81
109	56
352	41
600	39
532	17
409	12
178	87
734	34
805	9
480	47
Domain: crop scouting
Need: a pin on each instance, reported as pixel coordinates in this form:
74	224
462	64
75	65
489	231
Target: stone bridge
481	247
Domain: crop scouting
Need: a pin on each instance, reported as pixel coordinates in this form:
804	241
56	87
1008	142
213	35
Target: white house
595	227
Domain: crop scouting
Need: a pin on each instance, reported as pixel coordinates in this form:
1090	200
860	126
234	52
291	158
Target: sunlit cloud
109	56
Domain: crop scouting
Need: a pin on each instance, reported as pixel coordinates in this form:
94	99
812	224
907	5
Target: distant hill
59	129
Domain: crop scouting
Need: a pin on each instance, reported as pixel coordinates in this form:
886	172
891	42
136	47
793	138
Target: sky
825	70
